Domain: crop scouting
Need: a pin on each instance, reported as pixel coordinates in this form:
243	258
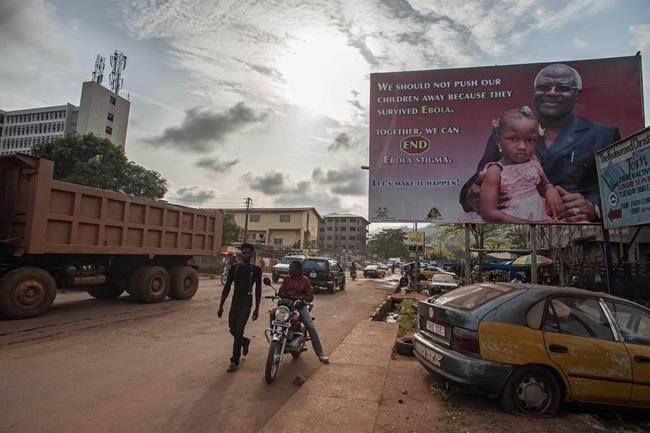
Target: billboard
505	144
414	238
624	180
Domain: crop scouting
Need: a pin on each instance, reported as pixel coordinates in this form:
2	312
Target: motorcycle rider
297	286
353	270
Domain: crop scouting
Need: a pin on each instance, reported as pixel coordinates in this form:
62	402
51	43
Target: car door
634	325
582	341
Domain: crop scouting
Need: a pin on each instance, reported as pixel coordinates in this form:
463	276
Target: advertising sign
415	238
624	179
528	133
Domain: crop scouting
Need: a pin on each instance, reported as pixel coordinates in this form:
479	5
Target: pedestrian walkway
346	394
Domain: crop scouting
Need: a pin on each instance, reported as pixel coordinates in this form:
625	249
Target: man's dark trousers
237	319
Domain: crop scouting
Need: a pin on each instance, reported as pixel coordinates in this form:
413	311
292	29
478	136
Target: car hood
443	284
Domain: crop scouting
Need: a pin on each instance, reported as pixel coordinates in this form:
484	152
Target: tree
231	231
93	161
388	243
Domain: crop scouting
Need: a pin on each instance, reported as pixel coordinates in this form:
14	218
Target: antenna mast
118	63
98	73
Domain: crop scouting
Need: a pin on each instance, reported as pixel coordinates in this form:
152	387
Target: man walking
244	275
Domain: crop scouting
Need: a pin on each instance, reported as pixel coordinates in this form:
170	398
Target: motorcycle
353	274
286	333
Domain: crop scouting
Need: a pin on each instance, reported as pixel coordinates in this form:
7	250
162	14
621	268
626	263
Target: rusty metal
88	281
40	215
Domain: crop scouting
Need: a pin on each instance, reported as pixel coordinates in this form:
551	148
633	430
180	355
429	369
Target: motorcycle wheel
273	361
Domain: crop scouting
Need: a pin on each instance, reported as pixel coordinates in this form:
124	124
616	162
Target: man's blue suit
569	163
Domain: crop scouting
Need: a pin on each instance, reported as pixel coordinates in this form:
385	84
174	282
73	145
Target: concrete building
343	232
100	111
280	228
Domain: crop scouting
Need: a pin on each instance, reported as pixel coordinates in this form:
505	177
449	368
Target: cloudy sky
269	99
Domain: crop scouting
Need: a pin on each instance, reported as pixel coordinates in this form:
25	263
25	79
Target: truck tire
26	292
184	282
112	289
150	284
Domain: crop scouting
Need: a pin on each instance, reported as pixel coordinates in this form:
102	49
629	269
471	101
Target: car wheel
532	391
332	288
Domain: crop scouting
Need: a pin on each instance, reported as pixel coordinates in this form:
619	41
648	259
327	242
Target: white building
100	111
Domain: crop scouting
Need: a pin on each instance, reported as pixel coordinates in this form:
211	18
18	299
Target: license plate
428	354
312	275
436	328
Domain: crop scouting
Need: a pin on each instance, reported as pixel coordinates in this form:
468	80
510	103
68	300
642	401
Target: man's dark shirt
244	276
569	163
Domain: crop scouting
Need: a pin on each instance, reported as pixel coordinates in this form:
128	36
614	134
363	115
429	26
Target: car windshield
443	278
471	297
371	267
287	261
314	265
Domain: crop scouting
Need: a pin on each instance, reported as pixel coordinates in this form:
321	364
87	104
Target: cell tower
98	73
118	63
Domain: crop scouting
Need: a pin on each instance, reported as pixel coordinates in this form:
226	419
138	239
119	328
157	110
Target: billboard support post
533	254
607	250
468	257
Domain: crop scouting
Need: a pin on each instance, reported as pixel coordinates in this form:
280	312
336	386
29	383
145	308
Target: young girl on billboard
533	197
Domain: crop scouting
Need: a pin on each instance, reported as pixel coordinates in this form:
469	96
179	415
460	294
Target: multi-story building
101	111
343	232
280	228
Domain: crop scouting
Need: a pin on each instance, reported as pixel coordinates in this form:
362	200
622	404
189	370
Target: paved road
118	366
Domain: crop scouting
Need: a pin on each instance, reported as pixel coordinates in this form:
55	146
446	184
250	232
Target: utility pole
533	254
249	202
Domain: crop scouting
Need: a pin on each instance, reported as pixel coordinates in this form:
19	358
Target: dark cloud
271	183
216	164
344	181
193	194
200	130
304	193
341	142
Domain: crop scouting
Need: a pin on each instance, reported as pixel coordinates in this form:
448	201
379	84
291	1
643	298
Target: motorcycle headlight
282	314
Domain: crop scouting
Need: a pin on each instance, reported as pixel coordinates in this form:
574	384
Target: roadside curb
344	395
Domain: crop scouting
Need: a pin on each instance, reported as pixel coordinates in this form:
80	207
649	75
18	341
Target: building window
344	229
113	100
254	218
109	130
110	117
329	229
329	238
353	229
277	241
285	218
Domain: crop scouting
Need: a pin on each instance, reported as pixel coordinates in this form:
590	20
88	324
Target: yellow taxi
429	271
534	347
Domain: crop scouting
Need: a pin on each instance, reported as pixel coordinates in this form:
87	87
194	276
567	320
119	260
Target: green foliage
93	161
407	318
231	231
495	236
388	243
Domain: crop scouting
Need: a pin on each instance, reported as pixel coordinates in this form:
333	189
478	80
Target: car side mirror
267	281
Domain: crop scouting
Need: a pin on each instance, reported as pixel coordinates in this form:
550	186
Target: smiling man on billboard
565	147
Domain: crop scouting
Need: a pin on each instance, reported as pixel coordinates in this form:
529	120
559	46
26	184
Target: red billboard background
611	94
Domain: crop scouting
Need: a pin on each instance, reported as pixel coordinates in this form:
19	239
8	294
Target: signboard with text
432	132
624	179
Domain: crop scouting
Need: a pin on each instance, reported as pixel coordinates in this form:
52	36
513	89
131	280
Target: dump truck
56	234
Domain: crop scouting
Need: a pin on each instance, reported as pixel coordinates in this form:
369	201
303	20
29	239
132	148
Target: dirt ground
429	404
119	366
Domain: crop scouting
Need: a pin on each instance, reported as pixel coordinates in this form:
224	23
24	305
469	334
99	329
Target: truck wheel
112	289
150	284
184	282
26	292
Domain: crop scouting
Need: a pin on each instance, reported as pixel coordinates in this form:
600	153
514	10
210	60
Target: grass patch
408	317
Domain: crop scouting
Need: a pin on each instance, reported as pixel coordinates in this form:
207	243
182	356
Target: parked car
444	282
324	274
281	269
429	271
374	271
534	347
